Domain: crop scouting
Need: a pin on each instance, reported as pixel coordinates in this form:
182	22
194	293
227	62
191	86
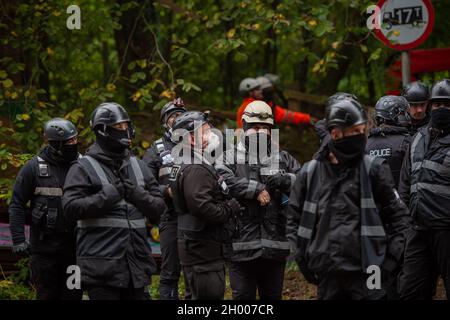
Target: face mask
258	144
440	119
348	150
63	152
213	143
69	152
114	140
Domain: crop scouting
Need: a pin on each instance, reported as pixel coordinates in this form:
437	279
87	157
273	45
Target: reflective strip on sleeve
304	232
434	188
311	207
164	171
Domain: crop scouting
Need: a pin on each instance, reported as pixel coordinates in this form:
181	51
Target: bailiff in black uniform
52	242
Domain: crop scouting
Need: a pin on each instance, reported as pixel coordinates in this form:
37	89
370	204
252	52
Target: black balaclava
440	119
62	152
348	150
115	140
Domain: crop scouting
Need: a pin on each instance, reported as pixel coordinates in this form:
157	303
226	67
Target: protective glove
133	193
119	187
279	181
235	206
22	249
308	274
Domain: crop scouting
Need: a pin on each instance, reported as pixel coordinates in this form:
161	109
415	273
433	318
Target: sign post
404	25
406	68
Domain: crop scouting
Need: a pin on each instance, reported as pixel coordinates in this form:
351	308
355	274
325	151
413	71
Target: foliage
143	53
16	286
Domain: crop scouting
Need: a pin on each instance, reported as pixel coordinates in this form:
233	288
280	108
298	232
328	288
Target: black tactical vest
46	211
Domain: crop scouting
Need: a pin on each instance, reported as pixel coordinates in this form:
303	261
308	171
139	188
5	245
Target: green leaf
240	57
375	55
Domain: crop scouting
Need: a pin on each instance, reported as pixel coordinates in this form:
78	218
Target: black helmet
392	110
170	108
189	119
345	113
416	92
440	90
59	129
108	114
338	96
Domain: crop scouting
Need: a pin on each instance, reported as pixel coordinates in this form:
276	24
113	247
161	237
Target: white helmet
258	112
264	83
273	78
247	85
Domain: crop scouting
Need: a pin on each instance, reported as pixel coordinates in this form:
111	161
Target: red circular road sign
404	24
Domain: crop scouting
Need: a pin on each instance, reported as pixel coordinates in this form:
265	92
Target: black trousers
207	280
170	264
427	255
49	275
343	286
264	275
113	293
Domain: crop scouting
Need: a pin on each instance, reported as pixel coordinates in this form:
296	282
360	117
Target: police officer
424	184
321	126
261	183
348	213
417	95
390	139
40	181
159	159
109	192
203	207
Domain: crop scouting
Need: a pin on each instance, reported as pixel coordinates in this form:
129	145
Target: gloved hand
235	206
308	274
120	188
133	192
279	181
22	249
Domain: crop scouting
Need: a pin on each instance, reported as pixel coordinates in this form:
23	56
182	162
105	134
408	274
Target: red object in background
422	61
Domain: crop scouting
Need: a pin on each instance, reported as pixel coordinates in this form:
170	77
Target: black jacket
425	179
261	231
335	245
414	127
159	160
203	214
112	247
391	144
30	186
